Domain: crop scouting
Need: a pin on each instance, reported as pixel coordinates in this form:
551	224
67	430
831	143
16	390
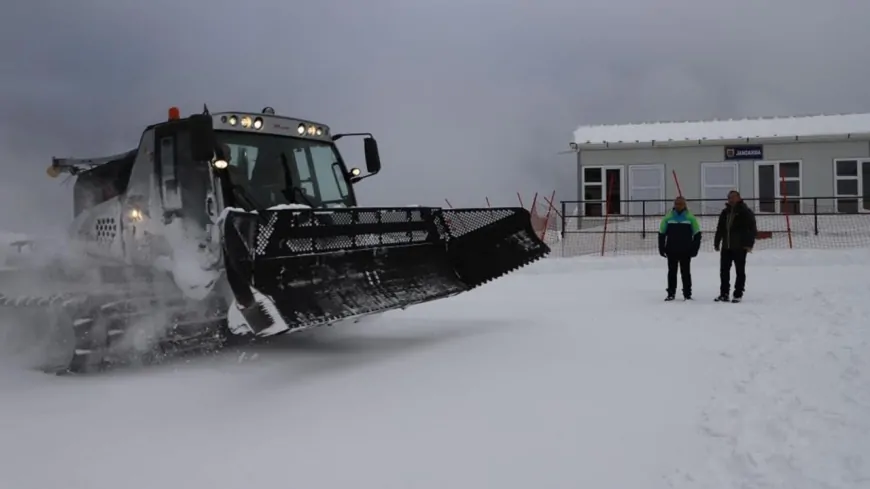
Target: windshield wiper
242	192
291	190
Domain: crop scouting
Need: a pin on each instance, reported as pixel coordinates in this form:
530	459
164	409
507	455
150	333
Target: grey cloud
468	99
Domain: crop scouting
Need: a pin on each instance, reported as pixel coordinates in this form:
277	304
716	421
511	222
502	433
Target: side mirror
373	157
202	140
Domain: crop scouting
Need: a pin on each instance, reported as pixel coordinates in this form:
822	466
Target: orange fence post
785	209
547	219
553	205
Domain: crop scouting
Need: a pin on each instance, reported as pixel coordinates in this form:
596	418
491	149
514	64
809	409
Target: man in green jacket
679	242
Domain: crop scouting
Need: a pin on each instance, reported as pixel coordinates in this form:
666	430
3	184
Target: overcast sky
468	98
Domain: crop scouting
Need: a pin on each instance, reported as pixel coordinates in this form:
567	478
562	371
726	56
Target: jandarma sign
744	152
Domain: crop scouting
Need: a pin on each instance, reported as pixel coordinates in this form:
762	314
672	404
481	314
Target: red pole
534	202
448	203
607	211
547	219
487	202
785	209
550	202
677	181
520	198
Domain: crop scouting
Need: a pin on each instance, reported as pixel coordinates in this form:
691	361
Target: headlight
301	129
221	164
354	172
320	131
258	123
233	120
311	130
246	122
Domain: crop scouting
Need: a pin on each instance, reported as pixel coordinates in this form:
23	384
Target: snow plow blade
315	267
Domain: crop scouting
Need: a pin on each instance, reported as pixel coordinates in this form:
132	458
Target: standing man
735	232
679	242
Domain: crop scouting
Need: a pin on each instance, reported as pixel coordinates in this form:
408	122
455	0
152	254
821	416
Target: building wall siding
817	168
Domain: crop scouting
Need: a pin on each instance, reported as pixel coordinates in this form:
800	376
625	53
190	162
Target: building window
852	185
646	190
778	186
598	182
717	179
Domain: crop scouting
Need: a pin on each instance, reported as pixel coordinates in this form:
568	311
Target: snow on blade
224	213
570	373
284	207
237	323
279	207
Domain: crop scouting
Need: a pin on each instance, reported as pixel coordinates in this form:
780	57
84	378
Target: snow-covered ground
570	374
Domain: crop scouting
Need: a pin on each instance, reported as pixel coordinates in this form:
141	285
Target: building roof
723	130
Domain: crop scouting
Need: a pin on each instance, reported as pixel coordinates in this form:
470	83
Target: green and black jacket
679	234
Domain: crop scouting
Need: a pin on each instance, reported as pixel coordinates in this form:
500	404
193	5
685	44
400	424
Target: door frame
777	185
859	178
603	185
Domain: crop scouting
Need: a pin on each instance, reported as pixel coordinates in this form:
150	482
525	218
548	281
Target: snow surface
571	373
815	125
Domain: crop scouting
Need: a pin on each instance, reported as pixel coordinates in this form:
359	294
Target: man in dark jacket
735	237
679	242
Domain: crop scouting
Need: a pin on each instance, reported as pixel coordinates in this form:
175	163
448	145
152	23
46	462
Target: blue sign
744	152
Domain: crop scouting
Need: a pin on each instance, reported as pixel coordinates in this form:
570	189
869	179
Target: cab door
187	191
187	185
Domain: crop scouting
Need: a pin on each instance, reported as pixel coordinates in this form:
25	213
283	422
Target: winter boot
722	298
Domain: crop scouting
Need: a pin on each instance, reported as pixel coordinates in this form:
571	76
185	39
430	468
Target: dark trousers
726	258
684	263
